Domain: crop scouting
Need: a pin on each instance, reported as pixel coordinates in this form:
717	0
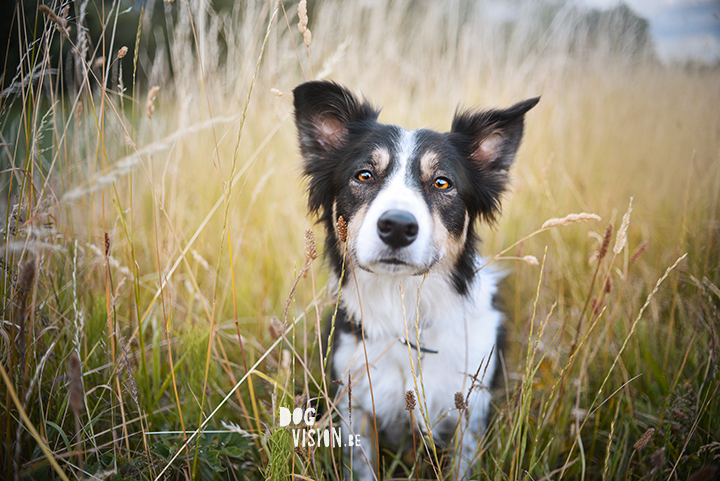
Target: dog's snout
397	228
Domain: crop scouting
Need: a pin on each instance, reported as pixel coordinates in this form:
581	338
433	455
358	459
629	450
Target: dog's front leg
473	428
469	445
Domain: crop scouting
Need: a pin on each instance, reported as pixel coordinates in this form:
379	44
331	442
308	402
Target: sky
681	29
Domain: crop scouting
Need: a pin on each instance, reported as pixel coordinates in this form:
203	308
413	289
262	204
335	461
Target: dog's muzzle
397	228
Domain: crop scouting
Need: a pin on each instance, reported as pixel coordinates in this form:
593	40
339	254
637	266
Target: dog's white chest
456	338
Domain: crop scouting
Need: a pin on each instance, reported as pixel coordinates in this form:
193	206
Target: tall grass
154	239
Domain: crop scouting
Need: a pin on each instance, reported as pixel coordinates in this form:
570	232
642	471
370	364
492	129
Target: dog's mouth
394	261
396	265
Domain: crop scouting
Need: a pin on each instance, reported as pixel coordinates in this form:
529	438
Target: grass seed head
76	386
300	453
310	247
303	21
151	101
27	276
107	244
460	401
25	284
704	473
621	239
657	459
276	328
608	284
603	247
342	229
569	219
78	112
302	16
644	439
276	92
532	260
122	52
639	251
410	401
59	21
349	385
285	359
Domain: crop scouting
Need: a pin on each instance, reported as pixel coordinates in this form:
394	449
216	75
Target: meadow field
156	308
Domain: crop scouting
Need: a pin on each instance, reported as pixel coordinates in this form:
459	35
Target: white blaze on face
398	192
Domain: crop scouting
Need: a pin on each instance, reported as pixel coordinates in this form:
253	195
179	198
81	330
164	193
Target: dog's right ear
323	113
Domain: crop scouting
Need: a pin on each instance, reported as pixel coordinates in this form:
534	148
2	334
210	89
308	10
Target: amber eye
441	183
364	175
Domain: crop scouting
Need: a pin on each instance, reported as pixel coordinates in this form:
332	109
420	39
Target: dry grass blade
29	425
209	418
570	219
625	342
548	224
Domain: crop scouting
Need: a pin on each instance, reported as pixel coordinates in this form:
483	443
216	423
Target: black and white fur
410	200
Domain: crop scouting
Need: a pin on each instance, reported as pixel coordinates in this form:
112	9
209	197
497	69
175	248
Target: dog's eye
364	175
442	183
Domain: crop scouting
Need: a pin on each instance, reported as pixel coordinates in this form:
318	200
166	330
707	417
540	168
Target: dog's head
410	198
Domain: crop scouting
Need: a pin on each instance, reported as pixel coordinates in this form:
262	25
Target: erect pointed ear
492	137
323	112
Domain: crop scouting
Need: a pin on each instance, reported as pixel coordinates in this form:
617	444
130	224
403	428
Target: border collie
411	293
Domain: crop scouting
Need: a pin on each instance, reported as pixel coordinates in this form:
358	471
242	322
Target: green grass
163	246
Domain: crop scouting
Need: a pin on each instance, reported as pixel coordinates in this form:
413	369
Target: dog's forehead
414	154
395	158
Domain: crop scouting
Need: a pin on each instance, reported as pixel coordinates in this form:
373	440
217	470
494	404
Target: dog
415	305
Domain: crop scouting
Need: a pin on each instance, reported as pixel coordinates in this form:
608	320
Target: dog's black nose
397	228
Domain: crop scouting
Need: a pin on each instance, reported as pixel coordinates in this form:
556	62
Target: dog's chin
394	266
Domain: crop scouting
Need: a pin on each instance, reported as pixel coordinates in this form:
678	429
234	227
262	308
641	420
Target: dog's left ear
491	138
